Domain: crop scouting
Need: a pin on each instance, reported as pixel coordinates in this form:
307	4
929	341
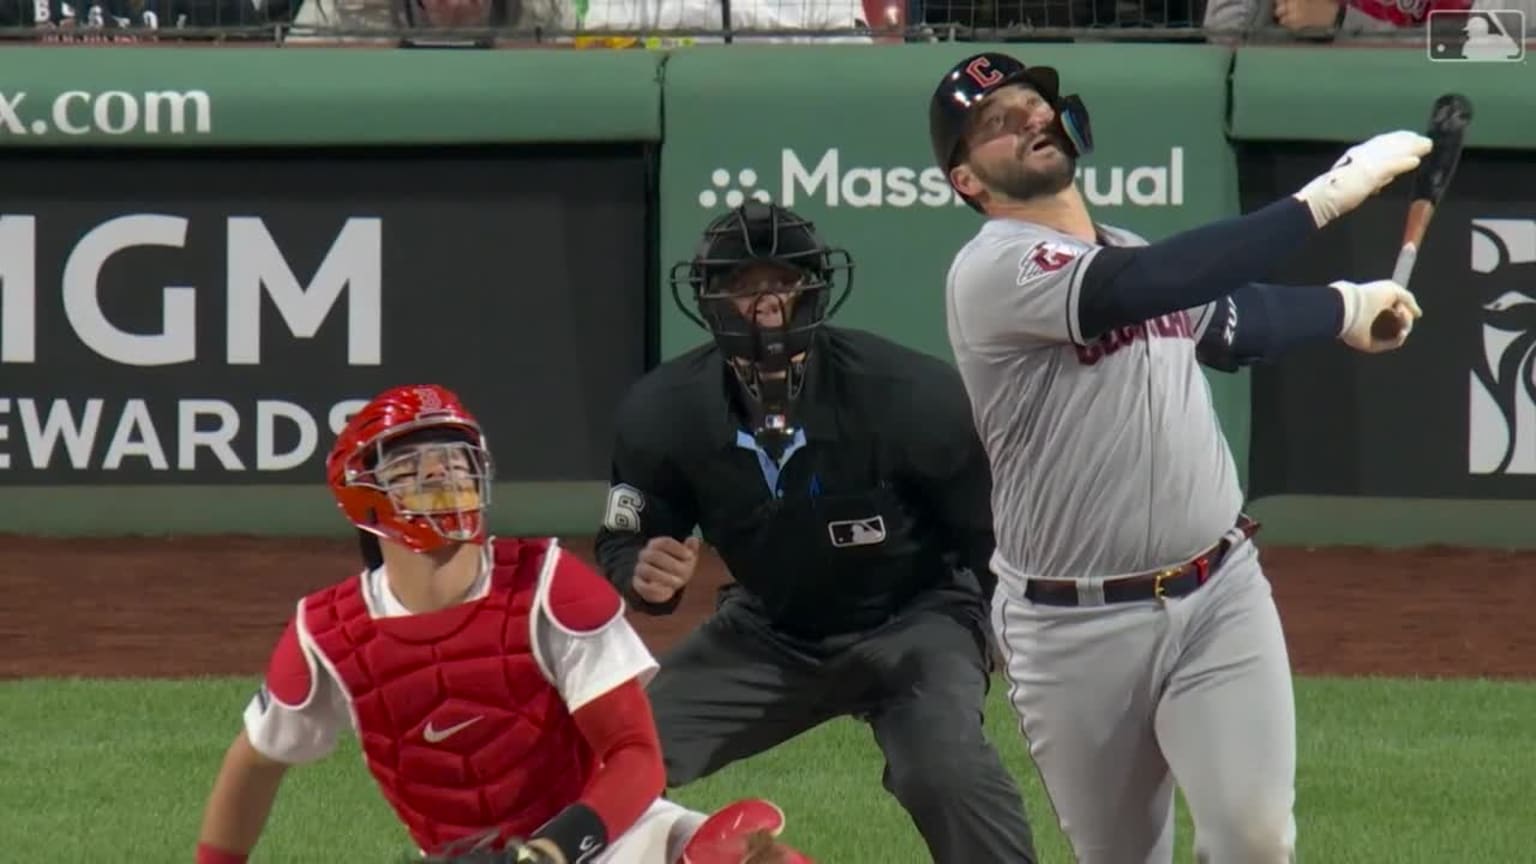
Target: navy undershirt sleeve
1258	323
1128	285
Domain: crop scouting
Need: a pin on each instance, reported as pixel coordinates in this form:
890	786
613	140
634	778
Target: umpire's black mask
762	282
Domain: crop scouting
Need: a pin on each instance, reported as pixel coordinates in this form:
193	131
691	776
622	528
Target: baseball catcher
494	684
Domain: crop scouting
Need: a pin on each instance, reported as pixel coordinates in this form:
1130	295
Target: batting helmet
976	77
412	467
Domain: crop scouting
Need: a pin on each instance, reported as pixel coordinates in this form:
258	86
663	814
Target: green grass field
1390	771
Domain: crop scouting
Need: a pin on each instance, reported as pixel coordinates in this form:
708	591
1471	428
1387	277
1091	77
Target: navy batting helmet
978	76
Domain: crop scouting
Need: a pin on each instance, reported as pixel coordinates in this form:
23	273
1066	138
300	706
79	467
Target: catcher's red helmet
412	467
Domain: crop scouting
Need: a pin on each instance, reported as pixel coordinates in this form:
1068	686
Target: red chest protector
457	722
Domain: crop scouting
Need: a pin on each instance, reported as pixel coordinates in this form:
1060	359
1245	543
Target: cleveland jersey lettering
1059	413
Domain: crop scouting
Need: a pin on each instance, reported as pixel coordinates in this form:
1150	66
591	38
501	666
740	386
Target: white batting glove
1361	172
1363	302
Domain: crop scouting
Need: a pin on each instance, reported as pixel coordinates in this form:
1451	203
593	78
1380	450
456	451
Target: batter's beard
1022	184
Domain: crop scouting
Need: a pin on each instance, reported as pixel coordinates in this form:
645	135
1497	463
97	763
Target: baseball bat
1448	121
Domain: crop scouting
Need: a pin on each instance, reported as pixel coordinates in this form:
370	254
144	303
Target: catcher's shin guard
742	832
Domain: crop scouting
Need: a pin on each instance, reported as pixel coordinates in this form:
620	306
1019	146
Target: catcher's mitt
513	852
763	849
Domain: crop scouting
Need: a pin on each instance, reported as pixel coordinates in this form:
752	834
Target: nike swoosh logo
436	736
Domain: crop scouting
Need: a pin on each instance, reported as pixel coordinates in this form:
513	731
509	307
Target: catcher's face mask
441	480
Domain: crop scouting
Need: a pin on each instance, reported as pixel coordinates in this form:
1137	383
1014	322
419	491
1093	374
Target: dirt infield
189	606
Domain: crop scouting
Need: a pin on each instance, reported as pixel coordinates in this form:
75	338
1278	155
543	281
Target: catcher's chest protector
458	725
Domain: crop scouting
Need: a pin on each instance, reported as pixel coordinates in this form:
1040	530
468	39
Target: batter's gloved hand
1363	302
1361	172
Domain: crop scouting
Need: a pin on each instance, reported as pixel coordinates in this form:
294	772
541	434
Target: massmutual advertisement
749	125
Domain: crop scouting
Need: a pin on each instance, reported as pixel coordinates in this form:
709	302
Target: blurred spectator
127	20
782	16
599	23
321	19
1053	14
354	20
1230	19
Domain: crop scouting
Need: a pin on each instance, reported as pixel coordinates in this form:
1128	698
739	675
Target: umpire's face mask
763	318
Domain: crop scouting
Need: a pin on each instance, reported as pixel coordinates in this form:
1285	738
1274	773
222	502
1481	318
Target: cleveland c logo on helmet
982	73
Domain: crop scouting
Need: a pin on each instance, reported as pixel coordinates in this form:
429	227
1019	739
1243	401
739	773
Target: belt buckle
1158	592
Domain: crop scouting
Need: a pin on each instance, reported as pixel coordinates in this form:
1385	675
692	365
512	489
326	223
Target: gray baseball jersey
1107	455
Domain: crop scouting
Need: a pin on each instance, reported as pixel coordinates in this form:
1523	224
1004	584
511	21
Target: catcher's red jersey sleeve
290	670
299	712
622	732
586	645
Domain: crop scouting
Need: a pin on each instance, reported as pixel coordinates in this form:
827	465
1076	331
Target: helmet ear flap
1072	115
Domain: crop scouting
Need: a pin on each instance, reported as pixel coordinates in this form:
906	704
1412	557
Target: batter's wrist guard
577	831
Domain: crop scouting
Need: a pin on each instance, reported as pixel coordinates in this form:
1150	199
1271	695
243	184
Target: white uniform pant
657	837
1121	702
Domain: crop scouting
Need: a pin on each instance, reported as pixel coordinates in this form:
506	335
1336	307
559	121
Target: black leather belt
1176	581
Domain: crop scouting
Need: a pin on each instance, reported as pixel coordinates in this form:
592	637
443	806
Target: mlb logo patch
857	532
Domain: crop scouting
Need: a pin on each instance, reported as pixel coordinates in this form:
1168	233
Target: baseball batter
1141	642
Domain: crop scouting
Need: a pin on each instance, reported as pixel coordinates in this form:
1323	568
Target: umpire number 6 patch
624	505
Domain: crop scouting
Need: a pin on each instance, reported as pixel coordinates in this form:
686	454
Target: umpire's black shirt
887	496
